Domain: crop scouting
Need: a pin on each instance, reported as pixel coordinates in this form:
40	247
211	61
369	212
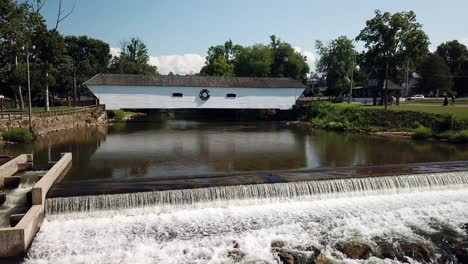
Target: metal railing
24	115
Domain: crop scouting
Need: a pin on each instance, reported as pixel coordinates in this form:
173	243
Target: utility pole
29	91
74	84
47	88
386	88
352	80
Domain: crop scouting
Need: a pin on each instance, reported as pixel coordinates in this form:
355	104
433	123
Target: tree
396	39
279	59
254	61
461	80
454	54
220	60
287	62
436	76
337	59
133	59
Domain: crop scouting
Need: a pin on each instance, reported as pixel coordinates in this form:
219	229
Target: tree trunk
20	94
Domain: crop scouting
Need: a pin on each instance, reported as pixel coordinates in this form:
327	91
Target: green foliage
117	115
422	133
254	61
133	59
394	38
435	75
461	136
20	135
338	116
279	59
337	59
455	55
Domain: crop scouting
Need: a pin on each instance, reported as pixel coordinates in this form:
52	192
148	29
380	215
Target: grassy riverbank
432	121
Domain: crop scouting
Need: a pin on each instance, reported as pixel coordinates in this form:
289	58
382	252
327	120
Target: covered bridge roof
191	81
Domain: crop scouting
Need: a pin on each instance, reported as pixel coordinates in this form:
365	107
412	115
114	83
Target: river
178	147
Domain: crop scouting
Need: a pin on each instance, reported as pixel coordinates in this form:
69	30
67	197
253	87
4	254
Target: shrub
444	135
21	135
422	133
117	115
461	136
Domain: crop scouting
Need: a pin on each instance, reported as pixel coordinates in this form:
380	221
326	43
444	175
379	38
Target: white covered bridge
126	91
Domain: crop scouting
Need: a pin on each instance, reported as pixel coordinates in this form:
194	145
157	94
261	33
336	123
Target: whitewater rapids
205	232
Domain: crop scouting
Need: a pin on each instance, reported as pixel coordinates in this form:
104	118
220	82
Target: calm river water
177	148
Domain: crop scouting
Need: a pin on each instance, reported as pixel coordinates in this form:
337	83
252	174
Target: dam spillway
96	195
406	222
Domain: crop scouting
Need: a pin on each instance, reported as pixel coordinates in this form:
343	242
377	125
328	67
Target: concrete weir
15	240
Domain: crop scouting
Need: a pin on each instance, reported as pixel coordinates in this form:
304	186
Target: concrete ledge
22	162
15	241
42	187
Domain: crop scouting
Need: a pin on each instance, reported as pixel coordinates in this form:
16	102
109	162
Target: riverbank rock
235	253
278	244
419	252
300	254
355	250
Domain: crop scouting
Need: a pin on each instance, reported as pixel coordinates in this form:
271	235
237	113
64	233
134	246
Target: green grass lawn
460	112
39	109
439	101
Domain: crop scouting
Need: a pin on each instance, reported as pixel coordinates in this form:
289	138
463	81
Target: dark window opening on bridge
177	95
231	95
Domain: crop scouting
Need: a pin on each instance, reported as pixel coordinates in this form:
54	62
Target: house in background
316	84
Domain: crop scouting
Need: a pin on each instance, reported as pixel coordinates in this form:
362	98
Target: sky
178	33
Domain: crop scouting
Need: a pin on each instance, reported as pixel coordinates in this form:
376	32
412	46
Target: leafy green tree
396	39
287	62
279	59
15	31
88	57
461	80
254	61
454	54
220	60
133	59
435	75
337	59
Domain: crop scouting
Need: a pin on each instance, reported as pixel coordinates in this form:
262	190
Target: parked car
416	97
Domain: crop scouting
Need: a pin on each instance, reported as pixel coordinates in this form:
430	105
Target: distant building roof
192	81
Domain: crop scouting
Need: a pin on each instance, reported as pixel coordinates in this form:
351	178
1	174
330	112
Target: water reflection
174	148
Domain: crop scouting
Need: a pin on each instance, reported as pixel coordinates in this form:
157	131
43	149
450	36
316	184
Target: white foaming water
199	227
204	232
257	191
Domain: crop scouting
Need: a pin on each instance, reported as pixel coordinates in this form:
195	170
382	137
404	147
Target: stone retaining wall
44	125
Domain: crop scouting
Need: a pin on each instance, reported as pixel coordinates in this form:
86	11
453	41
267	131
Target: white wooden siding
141	97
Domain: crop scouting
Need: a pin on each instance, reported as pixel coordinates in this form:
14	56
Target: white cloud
464	41
178	64
311	57
115	52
